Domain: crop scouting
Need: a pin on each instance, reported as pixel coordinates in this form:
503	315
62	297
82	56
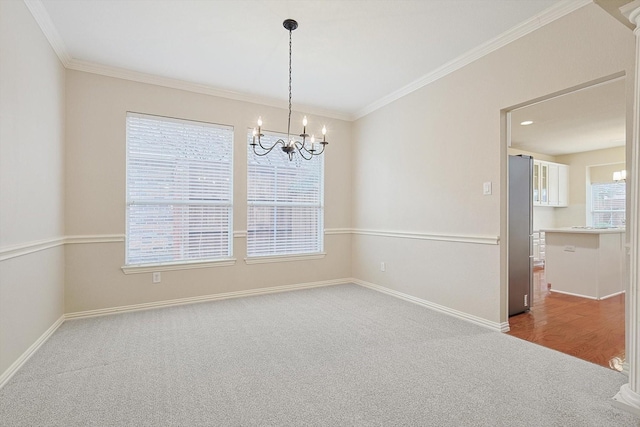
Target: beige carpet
340	355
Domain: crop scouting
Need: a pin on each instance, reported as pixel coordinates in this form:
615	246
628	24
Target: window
608	204
179	190
285	202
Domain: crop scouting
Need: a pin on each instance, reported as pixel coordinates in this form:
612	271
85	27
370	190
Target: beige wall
31	182
605	173
95	198
449	135
579	163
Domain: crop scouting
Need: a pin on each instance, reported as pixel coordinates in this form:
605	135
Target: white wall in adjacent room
579	180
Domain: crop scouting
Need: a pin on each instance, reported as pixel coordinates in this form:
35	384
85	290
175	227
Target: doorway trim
505	117
628	398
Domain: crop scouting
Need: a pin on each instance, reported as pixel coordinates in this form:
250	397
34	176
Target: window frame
592	211
253	258
184	262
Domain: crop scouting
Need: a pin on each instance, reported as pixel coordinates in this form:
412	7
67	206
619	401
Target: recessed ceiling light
526	123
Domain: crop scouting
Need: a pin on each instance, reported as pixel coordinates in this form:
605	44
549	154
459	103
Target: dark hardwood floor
588	329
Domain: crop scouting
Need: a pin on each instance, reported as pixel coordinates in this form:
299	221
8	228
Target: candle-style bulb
255	132
259	121
313	139
304	121
324	130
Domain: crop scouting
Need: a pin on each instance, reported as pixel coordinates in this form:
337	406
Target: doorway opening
575	297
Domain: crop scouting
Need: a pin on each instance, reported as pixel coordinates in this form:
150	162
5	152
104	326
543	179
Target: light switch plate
486	188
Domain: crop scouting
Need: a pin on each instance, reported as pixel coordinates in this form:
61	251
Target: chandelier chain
289	121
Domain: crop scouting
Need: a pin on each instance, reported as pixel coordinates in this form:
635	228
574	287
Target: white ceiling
348	55
585	120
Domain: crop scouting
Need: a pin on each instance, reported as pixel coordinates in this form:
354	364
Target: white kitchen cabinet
544	183
550	184
553	184
563	185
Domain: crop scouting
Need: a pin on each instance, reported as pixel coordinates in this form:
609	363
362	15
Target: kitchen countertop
584	230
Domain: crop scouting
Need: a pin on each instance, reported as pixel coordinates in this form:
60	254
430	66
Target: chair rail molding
27	248
482	240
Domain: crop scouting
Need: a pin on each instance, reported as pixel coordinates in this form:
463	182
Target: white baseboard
588	296
4	378
500	327
573	295
203	298
611	295
6	375
627	400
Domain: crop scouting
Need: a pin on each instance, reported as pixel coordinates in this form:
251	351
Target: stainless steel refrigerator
520	233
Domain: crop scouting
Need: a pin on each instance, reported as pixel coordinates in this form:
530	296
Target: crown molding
631	11
136	76
43	20
557	11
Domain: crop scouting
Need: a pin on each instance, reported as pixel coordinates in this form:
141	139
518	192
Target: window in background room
608	204
179	190
285	202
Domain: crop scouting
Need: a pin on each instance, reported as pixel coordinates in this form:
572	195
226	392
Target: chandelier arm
266	150
315	152
321	151
260	144
301	147
258	154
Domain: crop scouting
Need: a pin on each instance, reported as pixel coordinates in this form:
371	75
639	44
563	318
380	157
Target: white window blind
608	204
285	202
179	190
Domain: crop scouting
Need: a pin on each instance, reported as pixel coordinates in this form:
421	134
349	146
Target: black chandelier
307	149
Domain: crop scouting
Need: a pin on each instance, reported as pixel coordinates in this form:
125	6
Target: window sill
283	258
150	268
